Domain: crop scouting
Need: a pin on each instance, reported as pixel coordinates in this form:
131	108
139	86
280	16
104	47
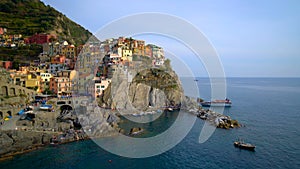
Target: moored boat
28	109
217	103
46	107
242	145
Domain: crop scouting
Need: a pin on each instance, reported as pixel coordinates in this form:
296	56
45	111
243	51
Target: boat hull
244	146
209	104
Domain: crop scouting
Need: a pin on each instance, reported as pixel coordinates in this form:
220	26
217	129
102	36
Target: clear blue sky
253	38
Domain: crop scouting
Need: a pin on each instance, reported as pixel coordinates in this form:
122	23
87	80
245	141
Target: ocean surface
269	109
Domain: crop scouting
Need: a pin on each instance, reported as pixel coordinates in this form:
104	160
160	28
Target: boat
46	107
28	109
136	114
243	145
135	131
217	103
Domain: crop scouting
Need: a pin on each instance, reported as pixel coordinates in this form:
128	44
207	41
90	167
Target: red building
1	31
6	64
39	39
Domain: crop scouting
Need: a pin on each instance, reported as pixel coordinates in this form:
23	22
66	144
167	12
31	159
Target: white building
100	85
46	77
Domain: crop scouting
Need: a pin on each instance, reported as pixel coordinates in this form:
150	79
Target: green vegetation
22	54
156	78
48	91
28	17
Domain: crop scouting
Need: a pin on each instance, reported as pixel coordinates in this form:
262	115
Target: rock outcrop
149	89
217	119
20	141
97	122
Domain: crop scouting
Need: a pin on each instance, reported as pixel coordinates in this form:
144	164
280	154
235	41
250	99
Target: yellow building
33	81
69	51
126	54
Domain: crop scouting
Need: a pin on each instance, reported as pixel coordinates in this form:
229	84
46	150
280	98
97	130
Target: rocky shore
69	126
216	119
15	142
57	127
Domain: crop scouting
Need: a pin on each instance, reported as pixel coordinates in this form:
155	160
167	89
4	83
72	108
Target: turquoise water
268	107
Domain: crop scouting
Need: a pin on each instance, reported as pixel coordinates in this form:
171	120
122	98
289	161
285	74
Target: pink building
6	64
61	84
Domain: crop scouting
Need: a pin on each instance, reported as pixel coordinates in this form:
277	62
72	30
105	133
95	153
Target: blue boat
28	109
21	112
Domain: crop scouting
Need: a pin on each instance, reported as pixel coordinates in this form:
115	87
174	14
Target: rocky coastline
94	125
14	142
217	119
56	127
152	90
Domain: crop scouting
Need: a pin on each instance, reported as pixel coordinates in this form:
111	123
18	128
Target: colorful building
6	64
54	68
61	84
100	85
69	51
39	39
33	81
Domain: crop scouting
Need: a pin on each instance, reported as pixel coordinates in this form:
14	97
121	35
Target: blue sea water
268	107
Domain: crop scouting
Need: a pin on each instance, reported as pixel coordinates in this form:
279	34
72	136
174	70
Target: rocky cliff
149	89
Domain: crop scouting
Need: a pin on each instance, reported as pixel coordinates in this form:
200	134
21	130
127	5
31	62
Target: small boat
217	103
54	140
136	114
28	109
135	131
46	107
242	145
203	117
21	112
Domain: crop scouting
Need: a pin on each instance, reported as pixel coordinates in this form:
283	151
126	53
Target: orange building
58	59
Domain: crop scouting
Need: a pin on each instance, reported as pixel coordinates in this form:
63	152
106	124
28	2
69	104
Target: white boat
136	114
46	107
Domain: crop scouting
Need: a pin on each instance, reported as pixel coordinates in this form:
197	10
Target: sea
268	109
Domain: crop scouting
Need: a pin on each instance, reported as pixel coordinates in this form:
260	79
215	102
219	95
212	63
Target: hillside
28	17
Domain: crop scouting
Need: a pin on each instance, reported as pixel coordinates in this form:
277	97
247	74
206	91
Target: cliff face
149	89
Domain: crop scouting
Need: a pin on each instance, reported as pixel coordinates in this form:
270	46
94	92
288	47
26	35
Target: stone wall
13	98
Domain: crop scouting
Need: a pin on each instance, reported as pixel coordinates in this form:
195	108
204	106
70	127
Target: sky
252	38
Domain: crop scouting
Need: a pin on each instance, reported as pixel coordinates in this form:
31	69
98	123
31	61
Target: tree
47	91
15	64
